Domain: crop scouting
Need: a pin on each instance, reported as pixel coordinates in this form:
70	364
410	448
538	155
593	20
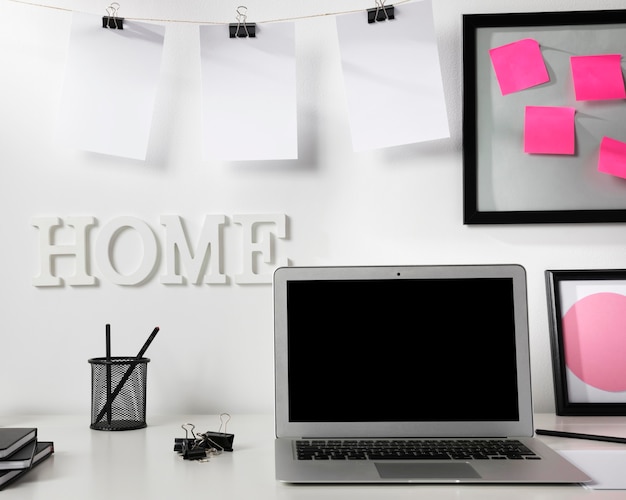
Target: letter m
203	265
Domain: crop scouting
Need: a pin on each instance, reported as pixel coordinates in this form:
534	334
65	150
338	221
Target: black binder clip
193	451
242	29
380	12
111	21
220	440
191	448
186	443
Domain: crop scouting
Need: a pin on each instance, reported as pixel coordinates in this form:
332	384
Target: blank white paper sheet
605	467
110	86
249	93
392	78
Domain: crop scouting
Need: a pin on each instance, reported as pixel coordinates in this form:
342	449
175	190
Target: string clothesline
163	20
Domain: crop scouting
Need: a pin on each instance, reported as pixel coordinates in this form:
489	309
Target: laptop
406	374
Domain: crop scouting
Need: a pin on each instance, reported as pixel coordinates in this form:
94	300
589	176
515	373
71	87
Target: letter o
105	241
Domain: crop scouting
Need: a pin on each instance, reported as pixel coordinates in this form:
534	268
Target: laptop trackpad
429	470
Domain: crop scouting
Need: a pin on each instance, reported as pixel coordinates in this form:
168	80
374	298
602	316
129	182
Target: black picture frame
593	291
501	184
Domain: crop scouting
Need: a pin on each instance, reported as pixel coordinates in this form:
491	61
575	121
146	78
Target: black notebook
13	438
20	459
43	450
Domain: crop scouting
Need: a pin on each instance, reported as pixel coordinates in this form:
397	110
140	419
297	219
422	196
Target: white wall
214	352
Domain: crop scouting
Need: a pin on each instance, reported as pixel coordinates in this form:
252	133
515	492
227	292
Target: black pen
577	435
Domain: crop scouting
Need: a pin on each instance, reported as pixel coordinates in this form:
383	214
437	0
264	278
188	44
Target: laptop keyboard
430	449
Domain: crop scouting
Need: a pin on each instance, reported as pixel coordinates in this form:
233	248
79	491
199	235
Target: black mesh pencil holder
118	393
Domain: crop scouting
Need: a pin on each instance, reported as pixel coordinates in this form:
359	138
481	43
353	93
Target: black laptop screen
401	350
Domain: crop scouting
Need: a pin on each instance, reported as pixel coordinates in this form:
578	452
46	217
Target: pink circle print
594	337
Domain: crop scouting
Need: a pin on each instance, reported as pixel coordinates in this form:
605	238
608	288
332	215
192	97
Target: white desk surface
141	464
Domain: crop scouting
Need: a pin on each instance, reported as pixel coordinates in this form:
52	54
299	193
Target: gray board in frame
501	183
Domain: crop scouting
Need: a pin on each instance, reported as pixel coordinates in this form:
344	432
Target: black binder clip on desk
186	443
242	29
194	447
380	12
221	439
111	21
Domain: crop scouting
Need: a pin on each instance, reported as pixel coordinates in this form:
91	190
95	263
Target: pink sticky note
612	159
519	65
598	77
549	130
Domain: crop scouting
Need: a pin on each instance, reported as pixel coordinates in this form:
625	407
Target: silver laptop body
405	353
